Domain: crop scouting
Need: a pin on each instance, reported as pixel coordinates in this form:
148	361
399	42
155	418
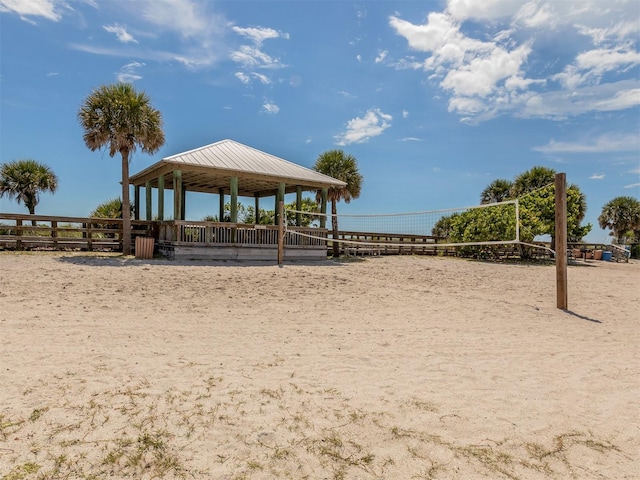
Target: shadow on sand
588	319
97	260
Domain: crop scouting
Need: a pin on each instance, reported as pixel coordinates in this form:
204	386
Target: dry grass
306	433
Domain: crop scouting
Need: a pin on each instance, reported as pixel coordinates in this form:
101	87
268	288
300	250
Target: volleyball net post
561	240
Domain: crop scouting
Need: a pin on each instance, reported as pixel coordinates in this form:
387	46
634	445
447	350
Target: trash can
607	256
597	254
144	247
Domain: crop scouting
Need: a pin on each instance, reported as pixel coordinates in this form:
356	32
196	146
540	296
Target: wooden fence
42	232
22	231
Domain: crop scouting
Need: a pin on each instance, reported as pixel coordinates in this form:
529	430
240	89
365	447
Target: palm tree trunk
126	208
32	211
334	227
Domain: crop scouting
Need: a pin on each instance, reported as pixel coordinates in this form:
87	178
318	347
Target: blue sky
435	99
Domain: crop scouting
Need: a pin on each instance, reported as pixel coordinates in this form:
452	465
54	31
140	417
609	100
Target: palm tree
24	180
622	216
497	191
531	180
109	209
122	119
340	166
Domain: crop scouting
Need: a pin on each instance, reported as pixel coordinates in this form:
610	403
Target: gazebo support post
136	202
234	199
279	198
161	198
177	195
256	200
148	207
298	205
221	205
323	208
183	203
234	206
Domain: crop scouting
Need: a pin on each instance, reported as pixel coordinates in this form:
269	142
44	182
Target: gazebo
229	168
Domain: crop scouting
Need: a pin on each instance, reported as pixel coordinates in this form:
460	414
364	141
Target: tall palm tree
622	216
340	166
122	119
496	191
24	180
531	180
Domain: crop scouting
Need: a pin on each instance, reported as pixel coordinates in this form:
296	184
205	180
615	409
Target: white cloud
486	56
262	78
121	33
194	30
411	139
362	129
632	185
270	108
252	57
612	142
52	74
597	176
48	9
259	34
243	77
405	114
589	66
381	56
188	18
128	73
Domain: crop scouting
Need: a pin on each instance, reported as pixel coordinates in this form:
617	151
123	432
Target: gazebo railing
192	233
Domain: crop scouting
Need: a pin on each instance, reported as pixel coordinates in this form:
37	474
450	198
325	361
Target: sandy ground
387	368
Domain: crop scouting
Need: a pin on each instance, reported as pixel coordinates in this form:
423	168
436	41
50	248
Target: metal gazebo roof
209	169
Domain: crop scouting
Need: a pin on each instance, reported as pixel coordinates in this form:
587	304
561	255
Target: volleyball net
487	224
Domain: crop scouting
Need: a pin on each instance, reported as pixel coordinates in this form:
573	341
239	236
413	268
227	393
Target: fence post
18	234
54	233
87	235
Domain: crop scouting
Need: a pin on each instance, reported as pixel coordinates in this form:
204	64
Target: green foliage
535	191
537	214
109	209
246	214
307	205
497	191
622	216
24	180
341	166
531	180
478	225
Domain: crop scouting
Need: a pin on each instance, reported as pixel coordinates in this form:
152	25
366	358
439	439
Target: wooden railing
192	233
20	232
386	243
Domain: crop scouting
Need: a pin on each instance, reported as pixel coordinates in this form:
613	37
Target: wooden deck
237	241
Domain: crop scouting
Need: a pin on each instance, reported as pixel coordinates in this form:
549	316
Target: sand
383	368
